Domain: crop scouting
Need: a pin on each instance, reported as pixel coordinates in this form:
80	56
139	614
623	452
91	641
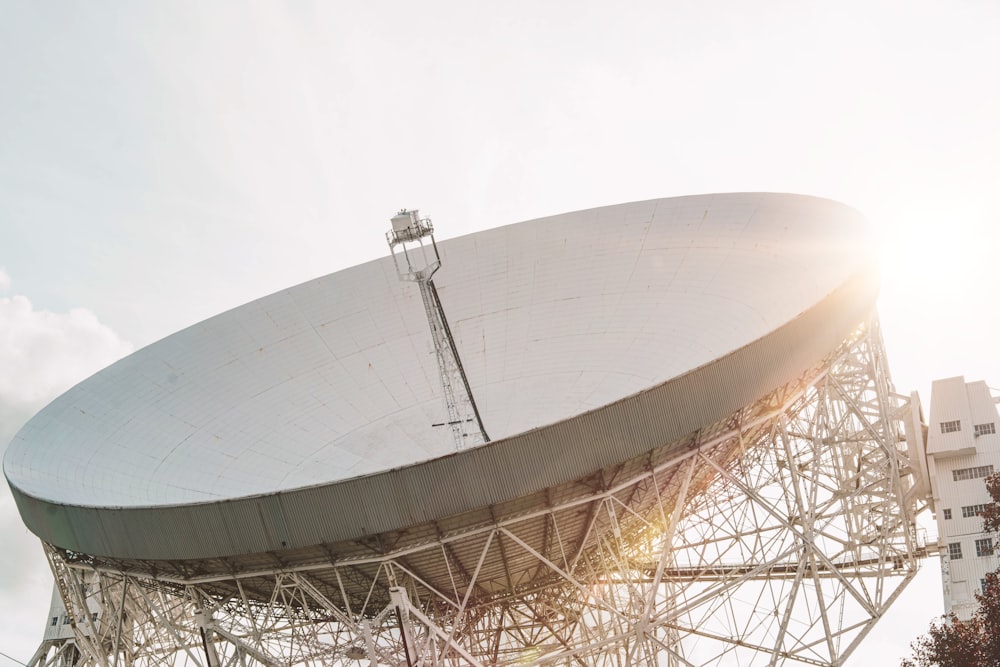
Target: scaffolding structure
780	534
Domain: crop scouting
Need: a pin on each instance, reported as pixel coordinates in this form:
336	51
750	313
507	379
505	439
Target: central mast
411	241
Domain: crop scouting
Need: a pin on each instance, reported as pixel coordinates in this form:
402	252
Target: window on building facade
65	620
985	429
971	473
55	620
955	551
951	427
984	547
972	510
947	514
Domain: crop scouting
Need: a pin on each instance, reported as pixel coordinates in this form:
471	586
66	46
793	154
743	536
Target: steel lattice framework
781	534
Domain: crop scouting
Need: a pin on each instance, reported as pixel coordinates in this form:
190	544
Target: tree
991	515
951	642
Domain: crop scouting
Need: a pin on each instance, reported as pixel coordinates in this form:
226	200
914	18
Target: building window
971	473
55	621
972	510
984	547
65	620
955	551
951	427
985	429
93	616
947	514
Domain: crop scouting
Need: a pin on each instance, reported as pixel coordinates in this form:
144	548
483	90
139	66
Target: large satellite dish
307	417
694	452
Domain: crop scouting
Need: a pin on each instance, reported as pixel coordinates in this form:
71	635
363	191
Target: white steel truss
781	534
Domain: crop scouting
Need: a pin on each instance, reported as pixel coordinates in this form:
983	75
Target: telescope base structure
781	534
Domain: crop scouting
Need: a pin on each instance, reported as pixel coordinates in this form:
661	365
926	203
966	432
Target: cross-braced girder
780	534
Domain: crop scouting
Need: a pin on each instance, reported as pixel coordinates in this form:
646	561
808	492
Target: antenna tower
411	241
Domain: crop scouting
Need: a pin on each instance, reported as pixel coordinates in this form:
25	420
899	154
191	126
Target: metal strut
411	241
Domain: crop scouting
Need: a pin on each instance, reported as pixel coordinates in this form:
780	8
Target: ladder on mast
415	253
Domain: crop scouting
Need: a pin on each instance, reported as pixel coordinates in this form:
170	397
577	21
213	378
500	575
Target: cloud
41	355
44	353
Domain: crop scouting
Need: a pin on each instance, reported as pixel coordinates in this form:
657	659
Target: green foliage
951	642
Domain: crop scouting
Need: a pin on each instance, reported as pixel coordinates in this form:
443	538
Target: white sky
163	161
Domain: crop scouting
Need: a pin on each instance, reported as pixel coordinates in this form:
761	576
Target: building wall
963	447
57	625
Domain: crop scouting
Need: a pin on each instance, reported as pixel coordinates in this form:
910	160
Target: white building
963	448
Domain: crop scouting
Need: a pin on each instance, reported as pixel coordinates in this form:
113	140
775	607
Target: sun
938	289
932	253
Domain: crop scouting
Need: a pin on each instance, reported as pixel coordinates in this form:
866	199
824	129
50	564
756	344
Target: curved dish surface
306	417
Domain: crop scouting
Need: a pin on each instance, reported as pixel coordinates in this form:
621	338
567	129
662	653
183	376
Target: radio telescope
695	456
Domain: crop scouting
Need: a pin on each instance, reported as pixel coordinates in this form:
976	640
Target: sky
163	161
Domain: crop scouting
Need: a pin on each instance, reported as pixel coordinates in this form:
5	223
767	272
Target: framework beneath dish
779	535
